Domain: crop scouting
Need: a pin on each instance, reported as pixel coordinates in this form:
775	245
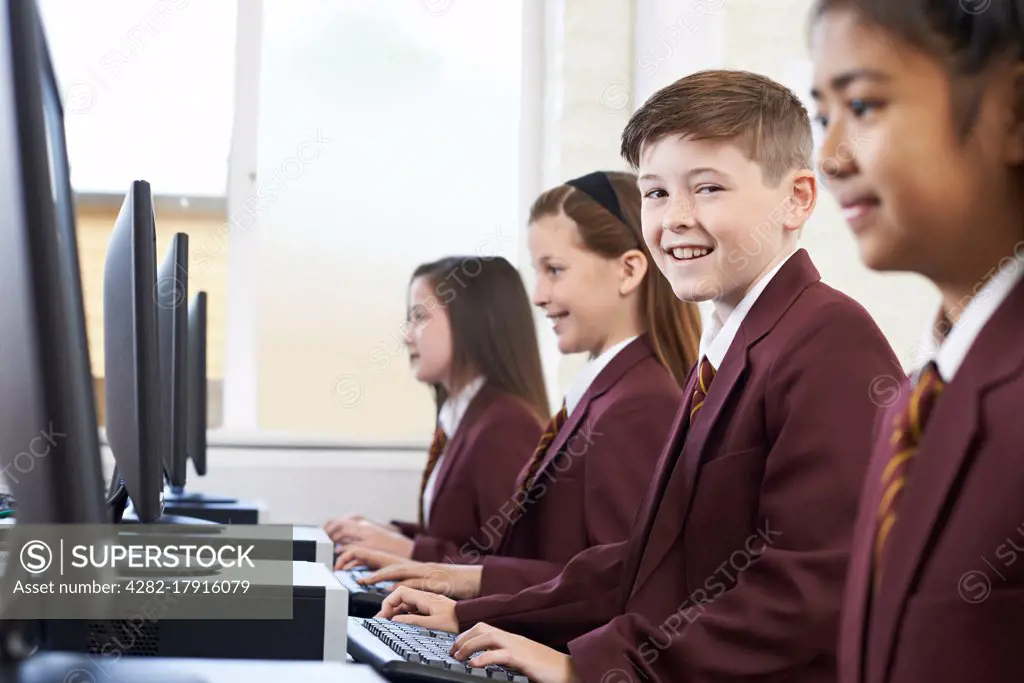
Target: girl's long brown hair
673	326
493	333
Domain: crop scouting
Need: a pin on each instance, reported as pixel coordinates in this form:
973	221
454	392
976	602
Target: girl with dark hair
471	336
922	106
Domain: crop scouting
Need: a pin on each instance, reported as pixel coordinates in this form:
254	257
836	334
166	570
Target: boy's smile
684	253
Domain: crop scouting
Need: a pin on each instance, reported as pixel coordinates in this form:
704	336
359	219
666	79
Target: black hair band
597	186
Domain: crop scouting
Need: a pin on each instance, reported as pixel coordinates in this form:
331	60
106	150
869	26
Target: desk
247	671
237	512
69	668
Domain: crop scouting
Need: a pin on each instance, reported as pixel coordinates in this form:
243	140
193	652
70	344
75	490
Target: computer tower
316	631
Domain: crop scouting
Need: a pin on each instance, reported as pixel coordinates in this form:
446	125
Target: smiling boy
735	566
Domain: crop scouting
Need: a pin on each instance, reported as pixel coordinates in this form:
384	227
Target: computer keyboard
401	652
363	601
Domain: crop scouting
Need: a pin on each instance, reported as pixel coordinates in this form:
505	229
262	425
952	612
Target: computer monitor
49	441
45	377
197	404
172	302
134	429
197	383
136	422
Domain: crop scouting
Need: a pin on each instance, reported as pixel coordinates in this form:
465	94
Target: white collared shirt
449	418
589	373
949	354
718	337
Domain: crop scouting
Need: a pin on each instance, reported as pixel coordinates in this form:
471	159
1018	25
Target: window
148	91
388	136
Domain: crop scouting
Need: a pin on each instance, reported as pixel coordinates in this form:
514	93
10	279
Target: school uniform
735	567
589	478
486	436
936	585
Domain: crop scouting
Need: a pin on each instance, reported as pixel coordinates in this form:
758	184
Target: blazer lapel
942	452
646	515
624	360
674	503
678	493
457	443
942	459
862	554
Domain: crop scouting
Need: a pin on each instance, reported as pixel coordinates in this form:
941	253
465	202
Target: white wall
769	36
307	481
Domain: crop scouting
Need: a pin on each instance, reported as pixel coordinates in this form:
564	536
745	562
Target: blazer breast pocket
723	515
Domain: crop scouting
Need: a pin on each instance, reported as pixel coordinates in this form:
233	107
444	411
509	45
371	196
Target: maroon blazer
496	437
593	476
951	607
736	565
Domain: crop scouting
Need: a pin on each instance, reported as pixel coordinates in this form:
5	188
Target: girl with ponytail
582	486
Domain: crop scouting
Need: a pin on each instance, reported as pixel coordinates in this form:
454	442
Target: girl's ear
1013	146
634	269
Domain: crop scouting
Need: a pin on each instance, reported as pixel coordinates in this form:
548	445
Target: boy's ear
634	269
802	199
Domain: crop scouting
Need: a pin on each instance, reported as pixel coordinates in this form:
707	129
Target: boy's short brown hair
766	119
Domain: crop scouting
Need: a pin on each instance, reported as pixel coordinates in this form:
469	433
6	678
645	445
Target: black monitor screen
46	379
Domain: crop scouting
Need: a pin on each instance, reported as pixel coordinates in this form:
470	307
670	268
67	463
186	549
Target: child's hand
358	556
427	610
538	662
336	526
372	536
453	580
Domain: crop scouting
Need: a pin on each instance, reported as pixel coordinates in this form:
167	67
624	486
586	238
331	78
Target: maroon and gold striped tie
706	373
530	471
433	455
908	430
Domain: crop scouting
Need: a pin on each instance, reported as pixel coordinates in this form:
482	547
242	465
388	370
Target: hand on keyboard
456	581
370	535
428	610
359	574
360	556
485	646
432	650
335	527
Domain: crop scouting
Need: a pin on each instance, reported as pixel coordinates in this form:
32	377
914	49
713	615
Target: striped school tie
908	429
433	455
554	426
700	392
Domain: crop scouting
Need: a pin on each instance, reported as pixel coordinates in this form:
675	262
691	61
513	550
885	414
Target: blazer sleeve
619	451
784	608
582	597
407	529
500	450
